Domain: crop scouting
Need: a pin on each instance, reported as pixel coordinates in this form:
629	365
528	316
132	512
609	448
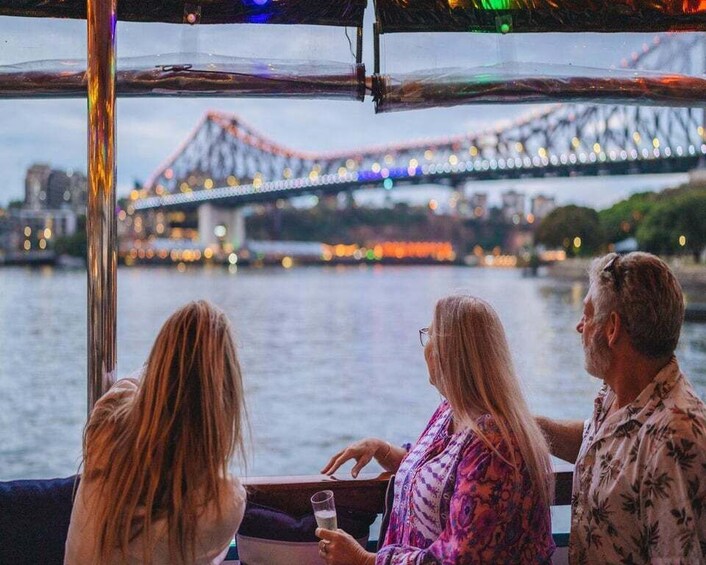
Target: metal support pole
359	46
101	221
376	48
702	160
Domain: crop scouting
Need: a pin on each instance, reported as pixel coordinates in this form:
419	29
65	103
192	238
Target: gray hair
642	289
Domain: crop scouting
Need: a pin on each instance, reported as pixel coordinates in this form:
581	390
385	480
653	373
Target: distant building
60	223
4	229
58	192
36	230
55	189
479	205
53	201
36	186
67	190
518	239
513	208
542	206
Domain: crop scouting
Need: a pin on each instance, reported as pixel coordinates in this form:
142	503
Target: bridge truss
227	162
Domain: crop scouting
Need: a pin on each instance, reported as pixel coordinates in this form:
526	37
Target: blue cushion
268	536
34	520
269	523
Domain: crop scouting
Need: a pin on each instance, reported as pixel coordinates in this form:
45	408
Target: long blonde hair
169	456
474	371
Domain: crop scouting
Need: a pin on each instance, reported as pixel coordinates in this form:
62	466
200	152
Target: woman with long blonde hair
476	487
155	486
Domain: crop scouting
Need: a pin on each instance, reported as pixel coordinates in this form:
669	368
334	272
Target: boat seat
271	536
34	520
35	516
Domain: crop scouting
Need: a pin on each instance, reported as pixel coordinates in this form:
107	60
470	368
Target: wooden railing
367	492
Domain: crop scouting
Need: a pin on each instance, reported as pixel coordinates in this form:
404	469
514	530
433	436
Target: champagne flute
324	509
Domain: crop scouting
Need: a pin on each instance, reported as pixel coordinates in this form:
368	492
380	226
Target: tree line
667	223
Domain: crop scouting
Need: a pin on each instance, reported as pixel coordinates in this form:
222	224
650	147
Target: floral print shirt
639	492
456	501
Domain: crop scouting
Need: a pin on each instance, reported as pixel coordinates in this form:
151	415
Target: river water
329	354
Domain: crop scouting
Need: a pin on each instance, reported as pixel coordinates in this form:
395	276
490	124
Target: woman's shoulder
220	526
232	497
233	500
121	390
235	490
488	440
488	425
442	411
109	407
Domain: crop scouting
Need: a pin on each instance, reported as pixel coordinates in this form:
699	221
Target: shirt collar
636	413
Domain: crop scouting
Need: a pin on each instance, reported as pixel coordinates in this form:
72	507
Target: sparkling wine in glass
324	509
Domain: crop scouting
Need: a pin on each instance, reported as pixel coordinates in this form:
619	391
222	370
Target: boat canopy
540	16
486	69
402	15
347	13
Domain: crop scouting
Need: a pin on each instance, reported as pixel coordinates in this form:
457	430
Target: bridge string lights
225	160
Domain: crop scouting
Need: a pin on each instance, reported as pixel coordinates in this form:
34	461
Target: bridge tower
219	226
458	197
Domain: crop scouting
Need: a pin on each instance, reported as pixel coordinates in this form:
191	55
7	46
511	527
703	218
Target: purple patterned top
457	502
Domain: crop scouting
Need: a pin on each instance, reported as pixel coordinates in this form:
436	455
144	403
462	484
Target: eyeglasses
612	269
424	336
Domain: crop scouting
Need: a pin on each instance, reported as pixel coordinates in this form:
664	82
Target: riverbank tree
623	218
670	222
576	229
675	225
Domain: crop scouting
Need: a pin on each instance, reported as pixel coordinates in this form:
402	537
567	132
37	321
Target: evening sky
54	131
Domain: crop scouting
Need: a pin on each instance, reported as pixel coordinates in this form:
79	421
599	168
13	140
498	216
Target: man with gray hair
639	490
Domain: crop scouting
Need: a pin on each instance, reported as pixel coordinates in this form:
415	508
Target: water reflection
329	355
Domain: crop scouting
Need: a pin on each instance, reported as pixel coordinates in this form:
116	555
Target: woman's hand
339	548
363	451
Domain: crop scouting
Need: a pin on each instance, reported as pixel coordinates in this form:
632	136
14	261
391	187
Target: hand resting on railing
365	450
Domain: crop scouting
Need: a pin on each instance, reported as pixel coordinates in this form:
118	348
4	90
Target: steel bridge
227	163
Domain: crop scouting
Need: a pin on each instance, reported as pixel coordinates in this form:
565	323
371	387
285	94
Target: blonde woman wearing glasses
477	485
155	486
